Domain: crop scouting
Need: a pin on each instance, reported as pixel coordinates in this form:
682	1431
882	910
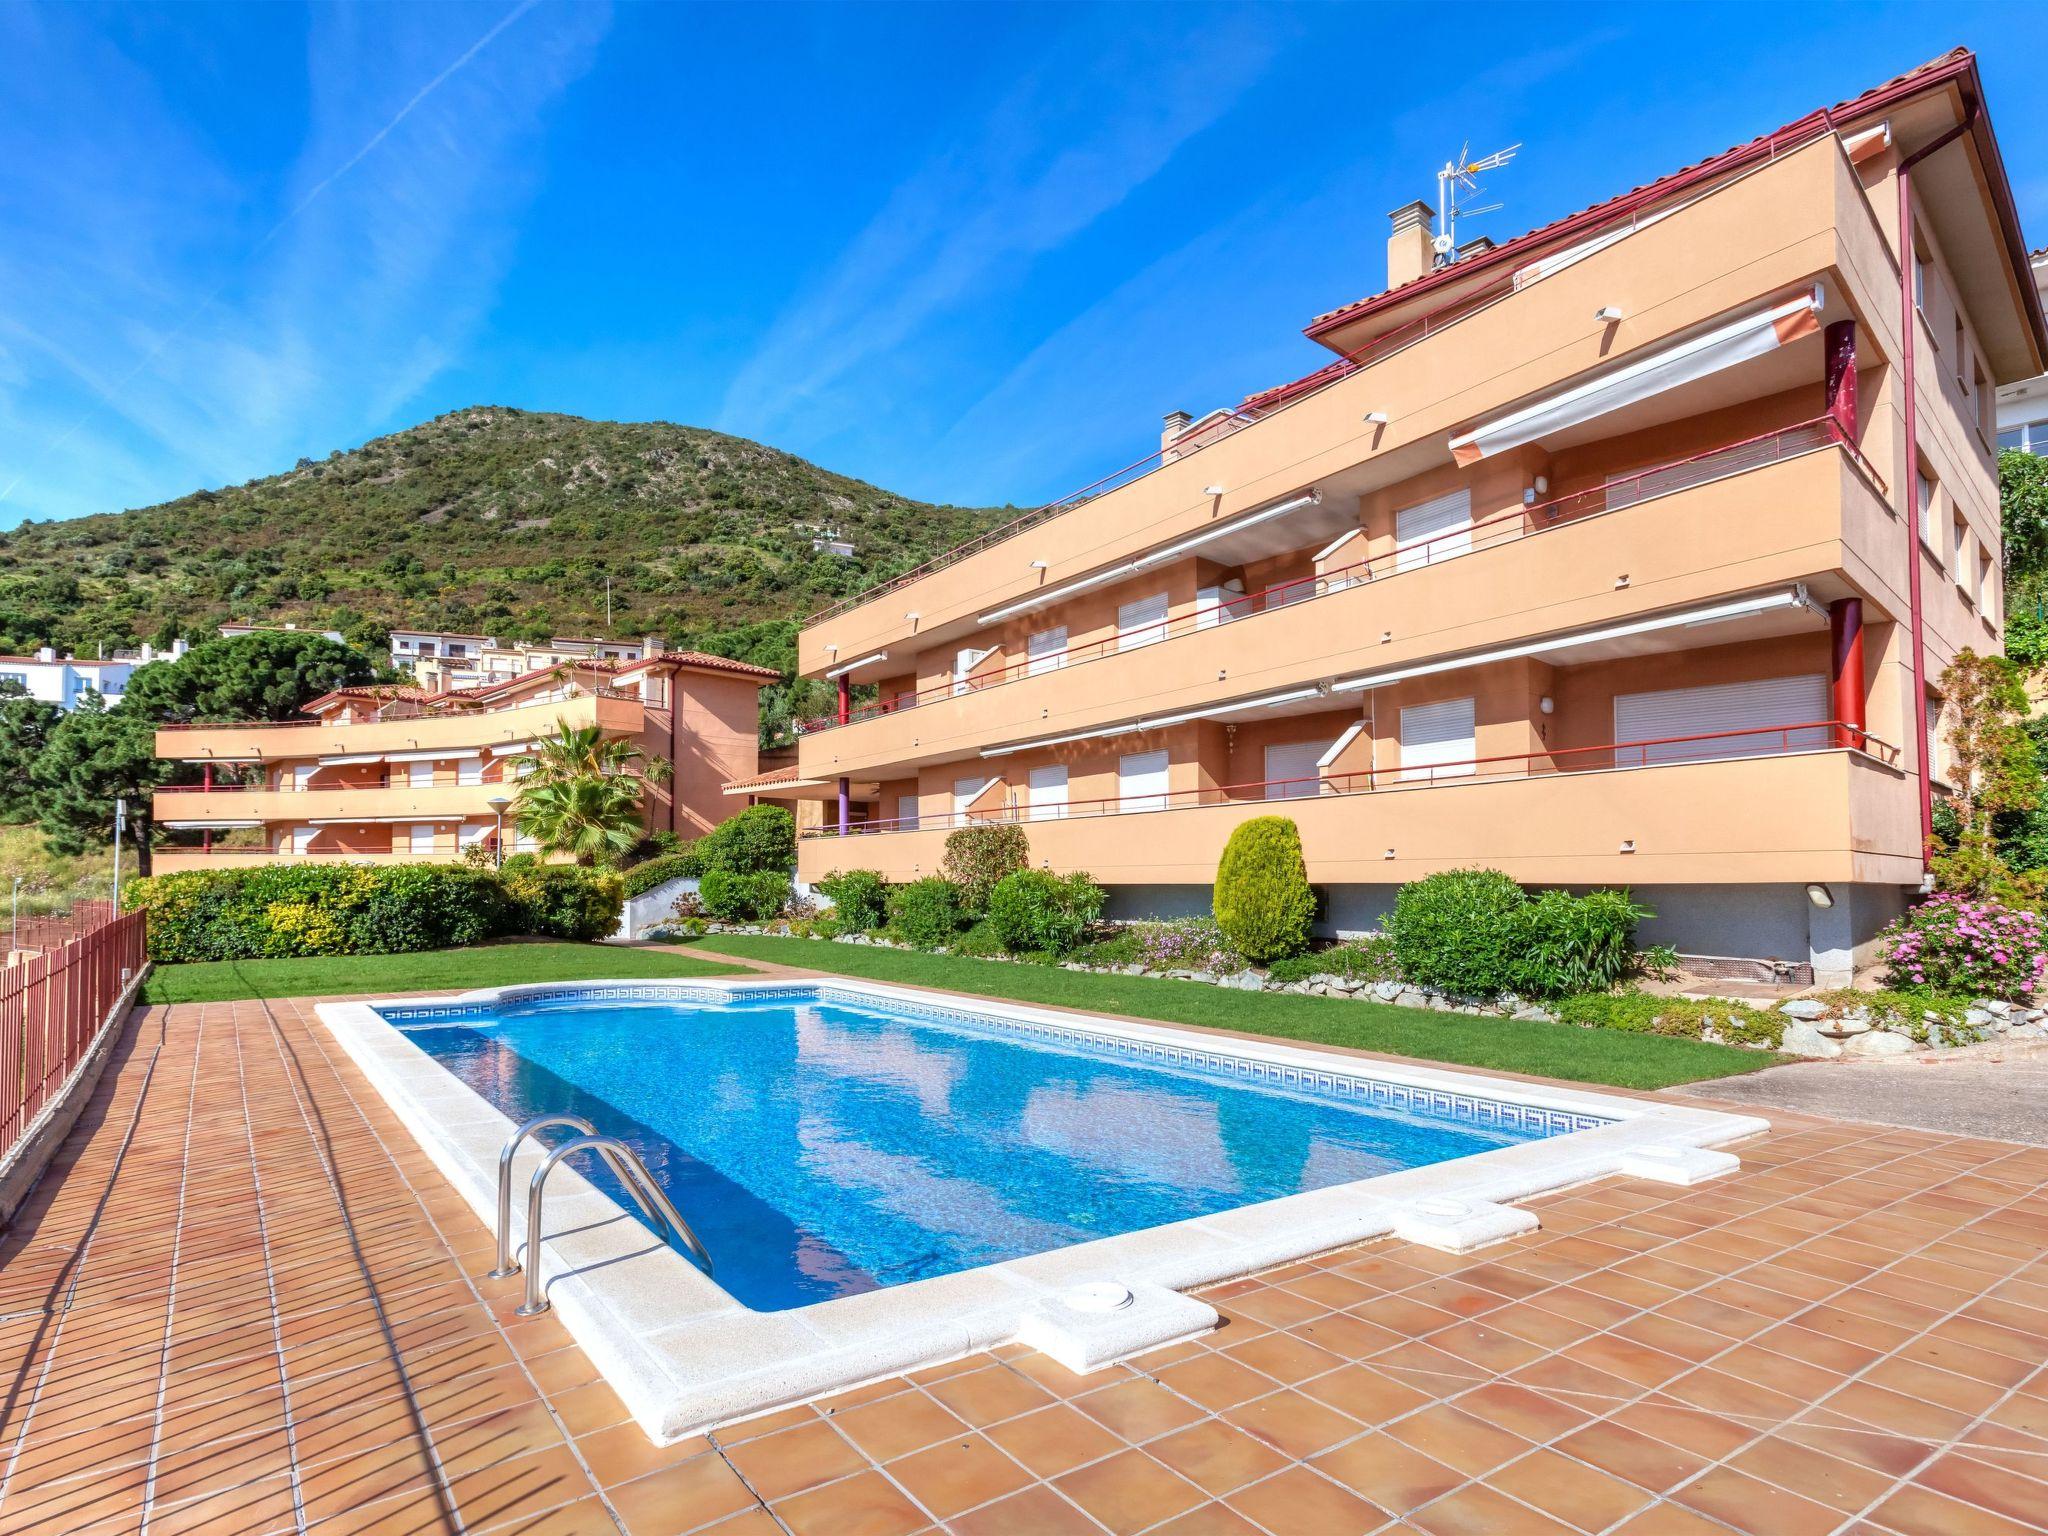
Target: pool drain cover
1097	1296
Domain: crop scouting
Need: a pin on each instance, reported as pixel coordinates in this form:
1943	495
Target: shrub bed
860	899
744	897
1476	933
642	878
342	909
1962	944
926	913
1034	911
1264	904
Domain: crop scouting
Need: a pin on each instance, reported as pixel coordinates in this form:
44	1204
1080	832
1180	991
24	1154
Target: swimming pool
823	1144
889	1178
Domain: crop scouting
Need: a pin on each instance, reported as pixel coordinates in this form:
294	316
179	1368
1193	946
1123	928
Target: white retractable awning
357	757
431	757
206	826
515	748
1754	335
1572	255
1153	722
1861	146
1308	498
373	821
1684	618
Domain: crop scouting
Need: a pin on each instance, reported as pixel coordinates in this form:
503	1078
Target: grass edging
1560	1051
438	970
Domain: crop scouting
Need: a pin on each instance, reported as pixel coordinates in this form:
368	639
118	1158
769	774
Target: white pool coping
684	1355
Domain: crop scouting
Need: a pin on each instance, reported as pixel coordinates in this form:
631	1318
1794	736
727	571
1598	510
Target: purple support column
845	807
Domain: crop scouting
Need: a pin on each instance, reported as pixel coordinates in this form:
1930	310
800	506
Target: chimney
46	653
1408	252
1175	423
1477	247
651	645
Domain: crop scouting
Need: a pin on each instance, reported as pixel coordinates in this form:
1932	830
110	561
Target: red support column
206	837
845	699
1845	630
1841	380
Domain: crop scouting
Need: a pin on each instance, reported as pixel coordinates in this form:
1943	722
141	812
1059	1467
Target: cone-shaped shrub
1263	902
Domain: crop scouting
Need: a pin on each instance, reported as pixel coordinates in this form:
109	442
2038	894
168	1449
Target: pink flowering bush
1187	944
1967	945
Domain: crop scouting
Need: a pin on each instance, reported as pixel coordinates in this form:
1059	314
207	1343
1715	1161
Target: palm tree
580	792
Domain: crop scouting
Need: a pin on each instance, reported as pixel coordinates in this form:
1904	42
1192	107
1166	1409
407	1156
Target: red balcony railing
1654	752
1517	523
452	714
51	1010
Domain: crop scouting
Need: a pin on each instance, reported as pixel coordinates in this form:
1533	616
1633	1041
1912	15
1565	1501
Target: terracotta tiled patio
245	1302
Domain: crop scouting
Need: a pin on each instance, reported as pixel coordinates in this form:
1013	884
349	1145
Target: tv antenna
1459	175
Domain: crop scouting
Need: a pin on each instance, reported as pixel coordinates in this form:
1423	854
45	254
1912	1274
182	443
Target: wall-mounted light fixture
1607	314
1212	490
1628	845
1546	704
1375	418
1820	895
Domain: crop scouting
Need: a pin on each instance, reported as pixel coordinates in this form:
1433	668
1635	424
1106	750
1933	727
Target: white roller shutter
1141	781
965	793
422	838
421	775
1440	529
469	770
1655	718
1437	740
1293	771
1048	793
906	811
1142	622
470	833
1046	651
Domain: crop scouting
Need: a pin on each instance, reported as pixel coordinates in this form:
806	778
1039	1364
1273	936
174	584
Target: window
1923	491
469	770
1986	403
906	810
420	775
1959	549
1141	781
1046	651
1440	529
2027	437
965	793
471	833
1690	725
1437	740
1985	587
1048	793
1920	265
1936	762
15	677
1293	771
422	840
1141	623
1961	349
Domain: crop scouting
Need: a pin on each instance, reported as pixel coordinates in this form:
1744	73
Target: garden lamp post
497	803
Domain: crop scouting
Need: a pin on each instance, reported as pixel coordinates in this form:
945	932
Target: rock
1529	1013
1878	1043
1806	1008
1995	1005
1386	991
1852	1024
1802	1039
1407	998
1130	970
1979	1018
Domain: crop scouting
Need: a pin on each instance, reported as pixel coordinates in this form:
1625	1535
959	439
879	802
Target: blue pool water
822	1144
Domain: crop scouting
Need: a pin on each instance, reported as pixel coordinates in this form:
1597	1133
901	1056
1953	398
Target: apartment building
440	660
400	774
66	680
2023	407
1627	552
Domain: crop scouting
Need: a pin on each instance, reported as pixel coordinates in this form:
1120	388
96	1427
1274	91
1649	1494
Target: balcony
1819	801
295	741
1779	508
192	805
170	859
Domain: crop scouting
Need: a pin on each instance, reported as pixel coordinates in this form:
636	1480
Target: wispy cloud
1068	144
166	328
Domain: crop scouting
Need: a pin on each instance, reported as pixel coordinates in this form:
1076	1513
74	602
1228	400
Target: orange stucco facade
394	776
1607	648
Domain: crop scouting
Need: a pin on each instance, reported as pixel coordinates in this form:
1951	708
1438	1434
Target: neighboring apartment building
439	660
234	631
2023	407
1618	554
397	774
65	680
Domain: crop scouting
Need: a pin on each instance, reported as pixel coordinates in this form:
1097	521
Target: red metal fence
60	928
51	1008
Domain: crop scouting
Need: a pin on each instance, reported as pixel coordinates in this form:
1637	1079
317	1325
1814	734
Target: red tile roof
1956	62
706	661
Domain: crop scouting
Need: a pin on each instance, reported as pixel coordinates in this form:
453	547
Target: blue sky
967	252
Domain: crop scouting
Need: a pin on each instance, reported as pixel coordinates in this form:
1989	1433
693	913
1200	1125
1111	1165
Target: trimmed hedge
761	838
1263	901
860	899
736	897
1476	933
1035	911
344	909
642	878
926	912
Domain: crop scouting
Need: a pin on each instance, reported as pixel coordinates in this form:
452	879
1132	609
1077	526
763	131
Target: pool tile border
684	1355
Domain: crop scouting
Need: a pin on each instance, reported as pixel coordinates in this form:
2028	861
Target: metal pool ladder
625	1163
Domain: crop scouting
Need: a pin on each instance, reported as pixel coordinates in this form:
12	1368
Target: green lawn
487	965
1542	1050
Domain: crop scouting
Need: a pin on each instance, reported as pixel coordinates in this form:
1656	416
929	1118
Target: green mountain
487	520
